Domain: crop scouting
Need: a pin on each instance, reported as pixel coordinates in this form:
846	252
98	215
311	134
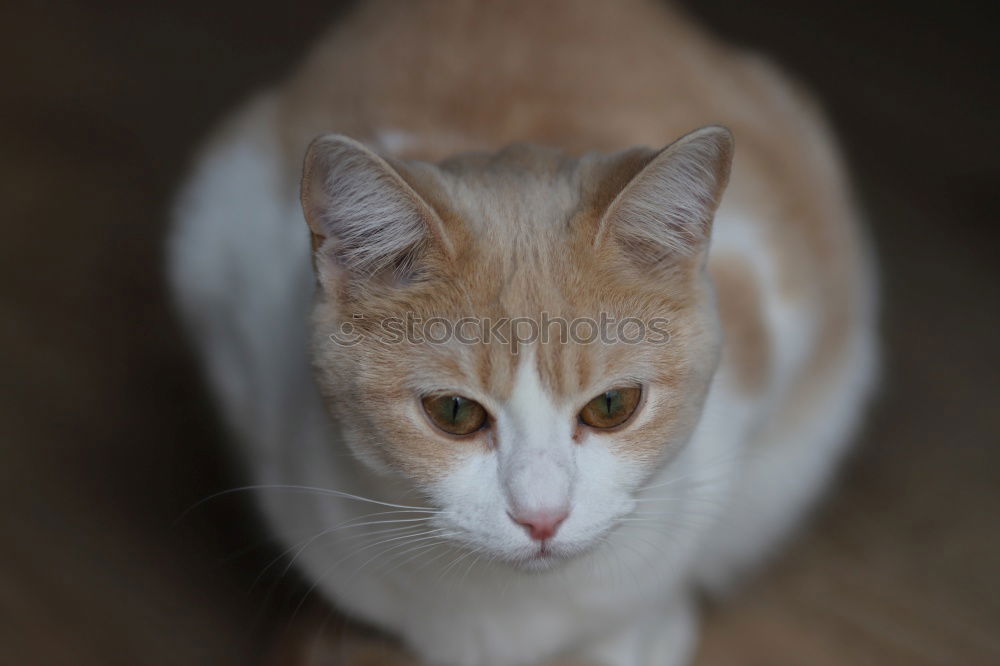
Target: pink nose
541	525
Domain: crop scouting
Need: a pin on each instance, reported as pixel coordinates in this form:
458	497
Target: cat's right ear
367	222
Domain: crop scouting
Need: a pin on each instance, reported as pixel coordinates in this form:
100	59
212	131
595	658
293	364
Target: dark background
107	435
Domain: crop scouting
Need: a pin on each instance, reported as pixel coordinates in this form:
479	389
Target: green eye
454	414
611	408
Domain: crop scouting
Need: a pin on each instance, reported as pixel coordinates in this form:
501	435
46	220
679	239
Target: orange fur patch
739	299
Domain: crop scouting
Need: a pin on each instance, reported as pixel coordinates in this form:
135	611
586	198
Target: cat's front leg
665	636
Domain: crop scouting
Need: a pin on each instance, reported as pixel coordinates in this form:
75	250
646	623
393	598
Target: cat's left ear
367	222
666	210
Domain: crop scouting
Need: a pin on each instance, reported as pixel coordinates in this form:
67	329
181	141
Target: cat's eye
611	408
454	414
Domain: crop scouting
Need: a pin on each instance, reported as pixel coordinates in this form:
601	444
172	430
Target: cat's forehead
523	189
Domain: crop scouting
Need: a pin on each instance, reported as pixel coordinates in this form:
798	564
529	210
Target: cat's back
435	78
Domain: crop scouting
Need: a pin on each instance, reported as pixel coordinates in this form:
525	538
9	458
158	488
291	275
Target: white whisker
303	489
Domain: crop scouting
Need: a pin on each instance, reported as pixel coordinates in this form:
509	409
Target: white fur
239	262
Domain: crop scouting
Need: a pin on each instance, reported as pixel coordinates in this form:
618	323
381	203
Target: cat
484	495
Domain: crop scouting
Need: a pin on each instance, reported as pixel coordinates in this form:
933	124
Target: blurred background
107	435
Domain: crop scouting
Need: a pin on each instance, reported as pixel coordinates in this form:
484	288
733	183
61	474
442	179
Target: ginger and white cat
498	503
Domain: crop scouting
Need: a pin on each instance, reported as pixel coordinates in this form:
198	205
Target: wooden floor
106	436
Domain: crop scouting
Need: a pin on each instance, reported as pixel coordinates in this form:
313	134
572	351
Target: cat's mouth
542	558
547	555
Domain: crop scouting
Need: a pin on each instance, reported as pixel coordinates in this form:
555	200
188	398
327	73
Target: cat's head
525	337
